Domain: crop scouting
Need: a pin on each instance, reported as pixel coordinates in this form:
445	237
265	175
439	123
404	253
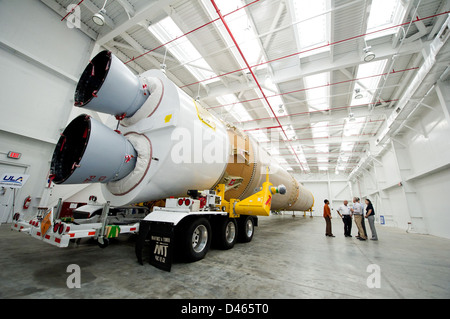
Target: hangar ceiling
309	88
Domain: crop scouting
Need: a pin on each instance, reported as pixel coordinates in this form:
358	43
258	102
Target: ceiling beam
383	51
129	9
153	60
326	140
312	118
63	12
153	11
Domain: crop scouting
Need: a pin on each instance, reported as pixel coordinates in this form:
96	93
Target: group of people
357	211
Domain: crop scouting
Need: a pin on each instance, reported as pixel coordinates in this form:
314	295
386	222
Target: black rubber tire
105	243
246	228
225	233
196	239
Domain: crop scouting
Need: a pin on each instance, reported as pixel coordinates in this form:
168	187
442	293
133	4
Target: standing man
346	215
358	213
327	216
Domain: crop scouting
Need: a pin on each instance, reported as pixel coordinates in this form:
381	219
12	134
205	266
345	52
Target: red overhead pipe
319	86
243	58
252	73
189	32
305	128
323	153
319	47
328	137
71	11
310	112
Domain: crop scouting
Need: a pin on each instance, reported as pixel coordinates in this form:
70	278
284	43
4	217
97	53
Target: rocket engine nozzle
89	152
108	86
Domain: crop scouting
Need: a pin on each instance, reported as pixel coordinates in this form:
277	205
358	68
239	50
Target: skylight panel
300	157
384	14
241	28
317	91
368	80
322	151
275	100
353	127
274	151
342	161
289	132
321	148
347	146
320	129
311	25
259	136
234	107
182	49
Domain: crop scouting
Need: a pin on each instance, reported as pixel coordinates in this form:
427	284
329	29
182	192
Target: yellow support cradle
258	204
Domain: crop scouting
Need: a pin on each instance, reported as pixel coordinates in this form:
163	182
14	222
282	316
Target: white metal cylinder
90	152
189	147
177	145
108	86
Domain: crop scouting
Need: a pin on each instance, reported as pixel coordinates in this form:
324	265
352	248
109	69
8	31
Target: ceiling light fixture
280	109
99	18
358	94
368	55
351	117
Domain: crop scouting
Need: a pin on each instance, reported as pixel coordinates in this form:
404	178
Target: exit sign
14	155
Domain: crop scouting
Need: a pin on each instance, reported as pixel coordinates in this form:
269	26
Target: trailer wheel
105	243
196	239
225	233
246	228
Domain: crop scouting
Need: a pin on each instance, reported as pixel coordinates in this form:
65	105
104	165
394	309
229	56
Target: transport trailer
186	226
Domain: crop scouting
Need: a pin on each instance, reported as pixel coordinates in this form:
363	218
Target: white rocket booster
167	144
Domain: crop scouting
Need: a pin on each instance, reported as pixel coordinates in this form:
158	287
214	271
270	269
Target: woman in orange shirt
327	216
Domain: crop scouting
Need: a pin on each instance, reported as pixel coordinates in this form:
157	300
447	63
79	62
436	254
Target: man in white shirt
346	214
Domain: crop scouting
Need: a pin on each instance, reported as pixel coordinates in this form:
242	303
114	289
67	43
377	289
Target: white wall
323	186
40	62
419	159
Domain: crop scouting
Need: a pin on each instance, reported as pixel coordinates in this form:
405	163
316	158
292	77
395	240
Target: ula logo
12	179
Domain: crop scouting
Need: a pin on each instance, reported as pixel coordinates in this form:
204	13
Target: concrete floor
288	258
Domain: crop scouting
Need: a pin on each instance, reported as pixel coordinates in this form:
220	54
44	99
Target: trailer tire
105	243
196	239
246	228
225	233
